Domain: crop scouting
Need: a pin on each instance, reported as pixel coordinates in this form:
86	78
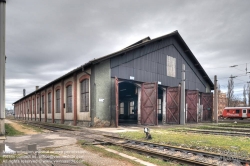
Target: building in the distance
222	102
138	84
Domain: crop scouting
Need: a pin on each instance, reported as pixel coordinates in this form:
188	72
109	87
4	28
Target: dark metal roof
138	44
180	40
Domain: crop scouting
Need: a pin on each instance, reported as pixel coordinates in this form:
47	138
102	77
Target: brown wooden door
207	102
192	98
116	101
149	97
173	105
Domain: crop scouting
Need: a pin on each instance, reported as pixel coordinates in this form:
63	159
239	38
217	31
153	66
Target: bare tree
236	101
230	91
244	96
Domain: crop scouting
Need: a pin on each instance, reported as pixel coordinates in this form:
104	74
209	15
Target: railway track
225	129
228	133
50	127
165	152
168	152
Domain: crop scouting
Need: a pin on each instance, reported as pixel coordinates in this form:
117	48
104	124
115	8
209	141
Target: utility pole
215	100
183	103
2	65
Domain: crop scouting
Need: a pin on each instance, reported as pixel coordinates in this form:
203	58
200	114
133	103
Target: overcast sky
47	38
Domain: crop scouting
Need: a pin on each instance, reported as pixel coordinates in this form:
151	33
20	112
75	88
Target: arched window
42	106
49	103
33	105
69	98
58	101
85	95
38	106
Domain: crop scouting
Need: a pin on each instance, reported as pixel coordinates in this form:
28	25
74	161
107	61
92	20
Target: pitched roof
133	46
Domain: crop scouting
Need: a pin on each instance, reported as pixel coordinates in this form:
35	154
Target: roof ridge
138	42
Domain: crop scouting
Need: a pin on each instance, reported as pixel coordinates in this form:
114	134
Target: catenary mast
2	64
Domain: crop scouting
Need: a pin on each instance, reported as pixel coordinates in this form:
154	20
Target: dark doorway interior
128	103
160	104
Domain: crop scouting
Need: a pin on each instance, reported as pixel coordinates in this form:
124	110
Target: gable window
85	95
69	98
49	103
58	101
171	66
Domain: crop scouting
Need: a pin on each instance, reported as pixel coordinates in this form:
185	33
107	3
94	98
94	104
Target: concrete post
139	106
164	104
215	100
2	65
183	103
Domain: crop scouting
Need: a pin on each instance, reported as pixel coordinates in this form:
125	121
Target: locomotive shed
139	84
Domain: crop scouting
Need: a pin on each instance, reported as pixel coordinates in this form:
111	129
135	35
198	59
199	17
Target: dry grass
213	143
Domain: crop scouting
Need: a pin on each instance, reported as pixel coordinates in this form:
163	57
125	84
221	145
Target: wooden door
149	95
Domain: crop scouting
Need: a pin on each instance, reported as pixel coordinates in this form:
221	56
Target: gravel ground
64	144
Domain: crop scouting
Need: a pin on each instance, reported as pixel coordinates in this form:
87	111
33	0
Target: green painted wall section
102	90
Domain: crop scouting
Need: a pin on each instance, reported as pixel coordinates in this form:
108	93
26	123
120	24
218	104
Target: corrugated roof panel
115	72
137	53
122	59
114	62
130	56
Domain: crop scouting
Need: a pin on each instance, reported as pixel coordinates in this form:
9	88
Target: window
27	108
249	111
159	106
49	103
121	108
237	111
42	106
85	95
33	105
244	111
171	66
58	101
131	107
69	98
38	106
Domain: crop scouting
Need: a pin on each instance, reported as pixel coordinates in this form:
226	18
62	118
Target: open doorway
160	104
128	103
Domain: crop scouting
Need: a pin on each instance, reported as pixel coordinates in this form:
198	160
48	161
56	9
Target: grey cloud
46	39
